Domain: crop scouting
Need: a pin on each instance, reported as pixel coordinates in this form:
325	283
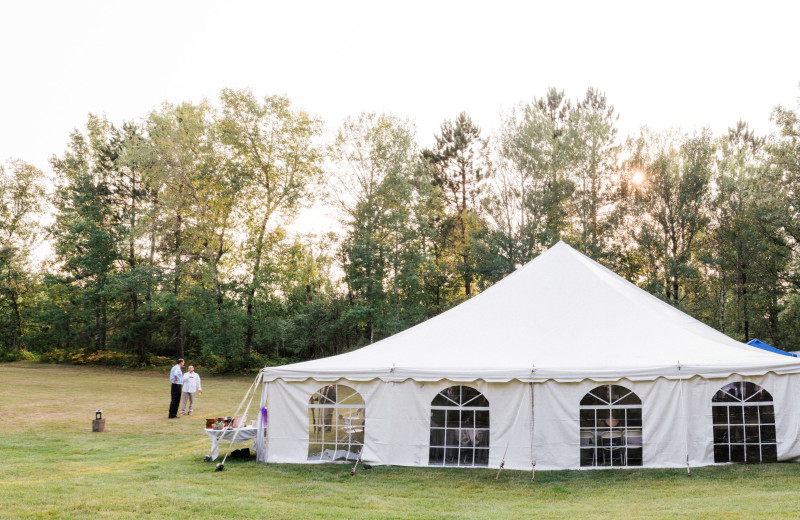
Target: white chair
633	438
611	442
633	441
350	428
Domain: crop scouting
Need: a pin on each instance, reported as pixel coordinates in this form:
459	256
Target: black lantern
98	414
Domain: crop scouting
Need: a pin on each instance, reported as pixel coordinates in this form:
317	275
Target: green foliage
21	203
377	190
172	236
457	168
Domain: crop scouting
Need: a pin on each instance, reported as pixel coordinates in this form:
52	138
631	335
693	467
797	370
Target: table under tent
561	365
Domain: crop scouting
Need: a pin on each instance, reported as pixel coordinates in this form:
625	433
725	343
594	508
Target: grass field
146	466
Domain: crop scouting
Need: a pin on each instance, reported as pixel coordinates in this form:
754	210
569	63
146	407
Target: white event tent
563	364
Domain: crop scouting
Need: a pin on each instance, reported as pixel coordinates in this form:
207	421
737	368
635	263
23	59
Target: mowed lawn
146	466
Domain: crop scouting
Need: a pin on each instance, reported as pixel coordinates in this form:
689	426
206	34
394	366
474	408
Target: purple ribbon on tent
264	415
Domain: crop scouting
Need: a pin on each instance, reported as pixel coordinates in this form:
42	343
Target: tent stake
353	471
513	426
502	463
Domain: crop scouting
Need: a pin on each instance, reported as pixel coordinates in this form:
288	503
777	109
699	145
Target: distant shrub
206	362
240	365
17	355
153	361
112	359
56	355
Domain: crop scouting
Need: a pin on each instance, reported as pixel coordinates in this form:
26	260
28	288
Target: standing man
176	378
191	384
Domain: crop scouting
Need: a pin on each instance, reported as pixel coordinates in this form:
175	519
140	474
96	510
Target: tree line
169	235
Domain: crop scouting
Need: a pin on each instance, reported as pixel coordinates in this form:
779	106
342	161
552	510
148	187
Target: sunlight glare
638	178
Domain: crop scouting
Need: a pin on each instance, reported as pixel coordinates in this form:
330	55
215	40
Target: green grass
146	466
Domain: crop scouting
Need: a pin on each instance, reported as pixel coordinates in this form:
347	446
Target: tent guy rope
251	392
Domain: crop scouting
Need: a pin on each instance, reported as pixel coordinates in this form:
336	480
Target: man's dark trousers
176	400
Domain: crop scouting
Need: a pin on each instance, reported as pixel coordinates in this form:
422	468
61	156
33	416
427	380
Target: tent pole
262	436
533	457
685	419
510	433
252	389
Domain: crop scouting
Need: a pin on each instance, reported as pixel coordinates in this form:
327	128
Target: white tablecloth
245	434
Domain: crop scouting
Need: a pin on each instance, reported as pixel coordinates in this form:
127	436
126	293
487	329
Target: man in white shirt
191	384
176	380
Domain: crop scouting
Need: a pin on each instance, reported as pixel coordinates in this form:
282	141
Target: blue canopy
760	344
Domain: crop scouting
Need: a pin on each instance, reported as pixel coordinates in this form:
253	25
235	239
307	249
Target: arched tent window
335	423
611	427
744	424
459	428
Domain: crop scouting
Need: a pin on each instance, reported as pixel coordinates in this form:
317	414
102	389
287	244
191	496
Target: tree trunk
722	301
742	294
251	292
178	266
371	332
396	262
17	319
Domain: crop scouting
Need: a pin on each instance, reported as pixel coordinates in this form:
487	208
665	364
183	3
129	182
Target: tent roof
562	316
755	342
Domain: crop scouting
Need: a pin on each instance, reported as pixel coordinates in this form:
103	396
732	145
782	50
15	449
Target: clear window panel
721	453
435	456
768	433
602	393
588	456
735	415
592	400
622	396
749	435
610	423
635	417
467	456
766	414
437	436
336	424
749	390
442	400
459	425
769	453
482	456
753	453
634	457
453	418
761	396
736	434
737	453
751	414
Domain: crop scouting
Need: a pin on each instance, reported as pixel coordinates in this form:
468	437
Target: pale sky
665	64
